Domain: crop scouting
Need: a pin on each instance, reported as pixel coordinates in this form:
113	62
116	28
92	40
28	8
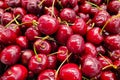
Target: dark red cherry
76	9
52	62
85	8
100	49
54	46
24	3
19	11
94	36
85	17
26	55
6	18
90	49
31	33
112	42
62	53
115	55
38	63
28	19
103	6
113	26
47	24
114	7
108	75
67	14
63	33
90	66
100	18
69	3
13	3
1	13
15	72
49	3
47	74
96	1
10	54
79	27
70	71
3	4
93	11
42	46
75	44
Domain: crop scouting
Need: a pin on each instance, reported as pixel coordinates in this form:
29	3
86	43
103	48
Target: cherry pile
59	39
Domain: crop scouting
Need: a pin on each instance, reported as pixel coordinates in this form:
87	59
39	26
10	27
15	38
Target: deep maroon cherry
49	2
62	53
47	24
13	3
85	17
90	66
26	55
94	36
79	27
75	44
76	9
24	3
1	12
93	11
52	62
10	54
38	63
115	55
67	14
63	33
108	75
42	46
70	71
15	72
47	74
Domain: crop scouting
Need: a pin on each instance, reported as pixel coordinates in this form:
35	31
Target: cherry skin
24	3
70	71
112	42
93	11
1	12
26	55
15	72
96	1
85	17
47	24
47	74
42	46
114	55
63	33
90	66
67	14
108	75
13	3
49	3
10	54
22	42
79	27
76	9
100	49
94	36
52	62
38	64
3	5
62	53
75	44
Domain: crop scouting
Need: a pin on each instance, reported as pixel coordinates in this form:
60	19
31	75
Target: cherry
47	24
10	54
70	71
85	8
94	36
6	18
100	49
1	13
52	62
47	74
42	46
100	18
112	42
103	6
90	66
113	7
49	3
31	32
96	1
24	3
3	5
76	9
26	55
15	72
69	3
22	41
108	75
63	33
13	3
115	55
85	17
93	11
79	27
54	45
38	63
68	15
75	44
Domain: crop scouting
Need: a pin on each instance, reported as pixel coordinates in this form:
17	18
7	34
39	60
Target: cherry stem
44	38
16	22
88	21
38	59
60	3
55	53
56	74
41	3
53	8
94	5
93	24
113	17
12	20
84	78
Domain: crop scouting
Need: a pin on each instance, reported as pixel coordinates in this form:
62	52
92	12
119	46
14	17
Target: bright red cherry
70	71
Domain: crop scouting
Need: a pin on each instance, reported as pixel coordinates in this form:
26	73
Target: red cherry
75	44
49	2
96	1
115	55
70	71
16	72
13	3
47	24
85	17
10	54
